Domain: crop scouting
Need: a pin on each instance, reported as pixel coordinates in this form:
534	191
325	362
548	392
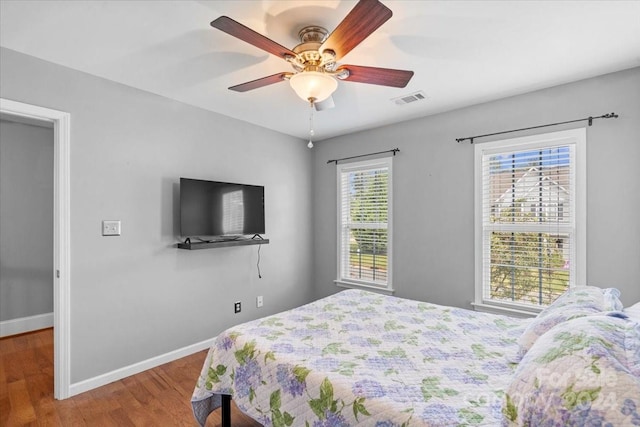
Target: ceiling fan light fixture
313	85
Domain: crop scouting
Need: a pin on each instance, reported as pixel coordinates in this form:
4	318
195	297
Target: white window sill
363	286
506	310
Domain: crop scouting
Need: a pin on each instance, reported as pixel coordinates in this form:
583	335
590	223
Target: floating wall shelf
220	244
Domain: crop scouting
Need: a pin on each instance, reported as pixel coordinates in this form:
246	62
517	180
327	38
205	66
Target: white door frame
61	234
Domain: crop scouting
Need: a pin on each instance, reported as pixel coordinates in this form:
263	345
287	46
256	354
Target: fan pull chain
311	131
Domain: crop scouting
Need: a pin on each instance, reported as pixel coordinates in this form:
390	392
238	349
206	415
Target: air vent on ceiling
412	97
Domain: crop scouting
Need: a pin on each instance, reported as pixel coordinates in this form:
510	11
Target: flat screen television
219	209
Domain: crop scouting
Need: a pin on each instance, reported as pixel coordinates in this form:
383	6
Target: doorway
61	228
26	225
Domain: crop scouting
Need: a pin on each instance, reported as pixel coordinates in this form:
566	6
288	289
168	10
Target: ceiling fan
314	60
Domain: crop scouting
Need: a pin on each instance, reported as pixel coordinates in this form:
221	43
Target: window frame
384	162
573	137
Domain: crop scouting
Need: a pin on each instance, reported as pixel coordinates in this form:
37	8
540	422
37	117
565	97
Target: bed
360	358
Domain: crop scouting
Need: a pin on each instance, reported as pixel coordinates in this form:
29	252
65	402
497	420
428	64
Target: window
364	224
530	220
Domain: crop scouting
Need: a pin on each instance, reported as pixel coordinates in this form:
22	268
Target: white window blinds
364	232
527	193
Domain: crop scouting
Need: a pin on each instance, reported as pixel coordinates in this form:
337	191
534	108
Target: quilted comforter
361	358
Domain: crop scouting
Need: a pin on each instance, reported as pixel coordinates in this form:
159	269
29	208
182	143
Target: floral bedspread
361	358
582	372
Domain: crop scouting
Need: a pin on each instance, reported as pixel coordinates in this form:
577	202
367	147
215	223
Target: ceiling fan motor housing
313	33
308	56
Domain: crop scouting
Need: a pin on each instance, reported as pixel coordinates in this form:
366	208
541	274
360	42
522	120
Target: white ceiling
462	52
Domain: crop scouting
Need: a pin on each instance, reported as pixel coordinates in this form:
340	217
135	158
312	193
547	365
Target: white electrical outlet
259	301
111	228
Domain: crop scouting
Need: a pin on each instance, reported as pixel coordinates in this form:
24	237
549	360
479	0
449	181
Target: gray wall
136	296
26	220
433	187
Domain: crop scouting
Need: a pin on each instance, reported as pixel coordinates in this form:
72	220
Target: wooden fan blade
377	76
264	81
236	29
363	20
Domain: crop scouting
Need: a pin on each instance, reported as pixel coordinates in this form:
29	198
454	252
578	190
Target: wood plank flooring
157	397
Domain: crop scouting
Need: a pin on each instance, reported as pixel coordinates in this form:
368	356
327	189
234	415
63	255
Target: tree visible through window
528	215
364	232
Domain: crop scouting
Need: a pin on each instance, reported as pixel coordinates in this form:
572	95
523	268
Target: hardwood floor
157	397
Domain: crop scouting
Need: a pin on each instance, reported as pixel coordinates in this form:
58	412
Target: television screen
210	208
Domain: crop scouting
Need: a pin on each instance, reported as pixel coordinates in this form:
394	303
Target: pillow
633	311
575	302
585	371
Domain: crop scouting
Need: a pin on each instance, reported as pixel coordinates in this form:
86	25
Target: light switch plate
111	228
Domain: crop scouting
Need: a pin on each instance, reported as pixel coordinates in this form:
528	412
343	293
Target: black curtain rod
589	119
394	151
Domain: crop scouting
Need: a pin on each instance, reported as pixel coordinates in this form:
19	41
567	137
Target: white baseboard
26	324
136	368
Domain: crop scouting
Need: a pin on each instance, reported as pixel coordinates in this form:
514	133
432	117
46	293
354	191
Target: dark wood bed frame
226	410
